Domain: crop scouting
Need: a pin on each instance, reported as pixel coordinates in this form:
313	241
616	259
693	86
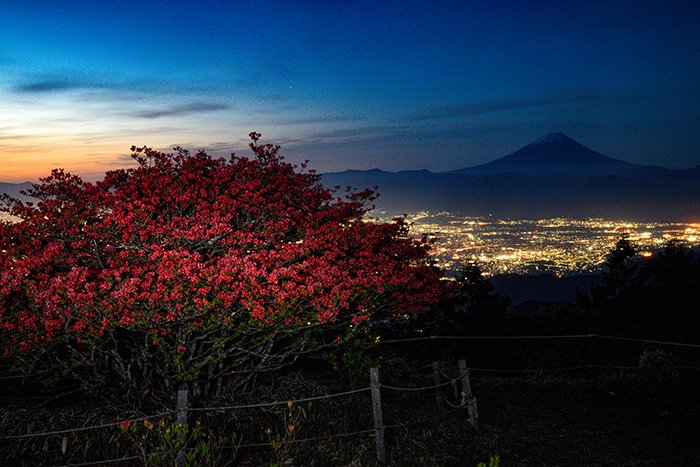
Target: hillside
543	288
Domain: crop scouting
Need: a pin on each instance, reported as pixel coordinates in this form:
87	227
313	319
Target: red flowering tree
196	270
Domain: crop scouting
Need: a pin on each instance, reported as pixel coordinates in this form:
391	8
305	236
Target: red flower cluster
197	241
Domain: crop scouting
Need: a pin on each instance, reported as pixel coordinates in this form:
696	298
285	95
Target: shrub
190	269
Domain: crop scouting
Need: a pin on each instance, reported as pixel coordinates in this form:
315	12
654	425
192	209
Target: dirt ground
610	422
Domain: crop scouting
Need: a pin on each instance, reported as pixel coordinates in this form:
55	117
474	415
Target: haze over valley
553	176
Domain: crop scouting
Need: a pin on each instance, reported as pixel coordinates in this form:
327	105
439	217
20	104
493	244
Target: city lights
561	246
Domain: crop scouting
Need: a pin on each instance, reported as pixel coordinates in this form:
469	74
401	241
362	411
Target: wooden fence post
438	390
182	421
378	418
468	398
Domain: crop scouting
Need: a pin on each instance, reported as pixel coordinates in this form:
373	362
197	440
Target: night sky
394	85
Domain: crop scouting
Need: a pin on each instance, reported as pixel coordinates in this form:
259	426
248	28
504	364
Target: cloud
22	149
313	120
122	158
93	89
47	86
472	109
367	134
180	110
336	135
12	137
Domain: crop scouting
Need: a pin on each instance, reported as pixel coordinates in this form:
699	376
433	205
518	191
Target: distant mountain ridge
554	153
15	189
552	176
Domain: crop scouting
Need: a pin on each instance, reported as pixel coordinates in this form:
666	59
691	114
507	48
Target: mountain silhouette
552	176
15	190
554	153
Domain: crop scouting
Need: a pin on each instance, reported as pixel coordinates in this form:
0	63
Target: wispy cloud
9	149
98	89
472	109
313	120
123	158
12	137
336	135
180	110
47	86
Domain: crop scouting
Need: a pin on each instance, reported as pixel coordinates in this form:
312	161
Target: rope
271	404
564	336
87	428
517	370
648	341
396	388
456	406
428	338
581	367
423	388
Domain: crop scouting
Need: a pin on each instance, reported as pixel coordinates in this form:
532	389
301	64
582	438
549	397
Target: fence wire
88	428
272	404
581	367
543	337
417	389
648	341
450	382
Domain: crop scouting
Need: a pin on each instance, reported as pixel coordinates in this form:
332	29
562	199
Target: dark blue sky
396	85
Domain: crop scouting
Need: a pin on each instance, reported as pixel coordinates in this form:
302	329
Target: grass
620	418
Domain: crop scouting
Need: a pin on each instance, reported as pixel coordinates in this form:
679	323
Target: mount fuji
552	176
554	153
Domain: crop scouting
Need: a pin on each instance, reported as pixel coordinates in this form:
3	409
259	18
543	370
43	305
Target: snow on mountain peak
552	138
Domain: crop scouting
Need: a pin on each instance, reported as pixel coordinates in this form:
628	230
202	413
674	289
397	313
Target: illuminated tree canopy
194	269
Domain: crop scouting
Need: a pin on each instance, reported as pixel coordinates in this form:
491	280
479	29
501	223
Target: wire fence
284	402
91	427
542	337
231	408
461	400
